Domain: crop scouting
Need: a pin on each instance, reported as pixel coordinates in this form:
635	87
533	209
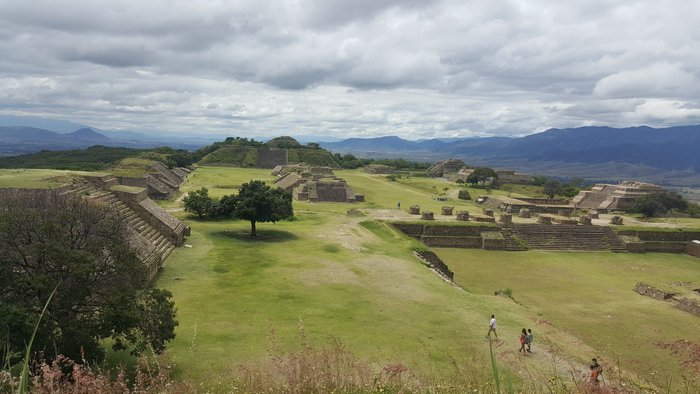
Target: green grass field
590	296
36	178
360	283
356	279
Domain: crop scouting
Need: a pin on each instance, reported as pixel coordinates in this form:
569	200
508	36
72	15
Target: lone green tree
258	202
551	188
482	175
198	202
49	240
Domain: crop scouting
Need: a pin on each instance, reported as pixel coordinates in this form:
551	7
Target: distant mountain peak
87	134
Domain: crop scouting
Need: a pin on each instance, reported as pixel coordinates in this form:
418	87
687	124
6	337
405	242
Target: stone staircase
151	244
511	243
568	237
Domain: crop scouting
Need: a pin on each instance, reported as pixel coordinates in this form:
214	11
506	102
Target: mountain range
17	140
669	155
665	156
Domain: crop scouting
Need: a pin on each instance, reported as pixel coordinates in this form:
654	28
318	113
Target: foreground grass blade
24	377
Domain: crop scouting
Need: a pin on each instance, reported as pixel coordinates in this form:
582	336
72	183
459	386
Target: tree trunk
253	233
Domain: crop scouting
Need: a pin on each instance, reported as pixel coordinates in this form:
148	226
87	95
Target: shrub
464	195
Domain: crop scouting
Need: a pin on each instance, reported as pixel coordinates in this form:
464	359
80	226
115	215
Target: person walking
523	340
492	327
529	340
596	370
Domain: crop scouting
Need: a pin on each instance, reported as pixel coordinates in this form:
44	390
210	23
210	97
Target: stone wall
650	291
663	235
693	248
454	231
665	247
436	263
689	306
130	197
544	201
452	242
492	240
270	157
411	229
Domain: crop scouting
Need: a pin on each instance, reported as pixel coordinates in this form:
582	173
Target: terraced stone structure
534	205
606	197
315	184
160	181
153	232
444	168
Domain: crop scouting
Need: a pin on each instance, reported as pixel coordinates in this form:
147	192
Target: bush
464	195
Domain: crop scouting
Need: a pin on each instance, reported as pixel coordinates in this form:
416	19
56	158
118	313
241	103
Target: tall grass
24	376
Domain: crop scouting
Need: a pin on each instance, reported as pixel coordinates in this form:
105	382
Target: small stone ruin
488	212
447	211
524	213
506	218
542	219
593	215
427	215
616	220
689	306
463	215
650	291
584	220
414	209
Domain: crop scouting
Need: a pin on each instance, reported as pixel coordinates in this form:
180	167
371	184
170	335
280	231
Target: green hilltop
242	152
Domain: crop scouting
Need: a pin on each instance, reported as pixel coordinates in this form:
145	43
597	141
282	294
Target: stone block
524	213
447	211
488	212
414	209
427	215
506	218
463	215
616	220
650	291
544	219
584	220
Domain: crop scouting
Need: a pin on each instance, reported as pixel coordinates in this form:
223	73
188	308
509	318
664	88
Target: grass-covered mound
240	152
235	156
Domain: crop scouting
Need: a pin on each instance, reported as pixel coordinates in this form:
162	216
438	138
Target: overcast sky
351	68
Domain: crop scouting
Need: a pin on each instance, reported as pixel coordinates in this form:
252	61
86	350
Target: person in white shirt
492	327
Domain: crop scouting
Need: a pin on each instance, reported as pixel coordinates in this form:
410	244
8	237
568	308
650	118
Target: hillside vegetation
241	152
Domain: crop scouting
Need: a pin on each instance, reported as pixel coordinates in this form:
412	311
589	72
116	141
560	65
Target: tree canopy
482	175
199	202
654	204
551	188
257	202
49	240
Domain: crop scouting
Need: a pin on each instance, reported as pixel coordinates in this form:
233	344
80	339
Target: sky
351	68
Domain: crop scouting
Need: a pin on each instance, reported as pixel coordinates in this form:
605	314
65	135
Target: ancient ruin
159	181
154	233
606	197
531	205
379	169
314	184
442	168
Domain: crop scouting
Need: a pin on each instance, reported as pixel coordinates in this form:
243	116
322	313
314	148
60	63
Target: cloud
656	80
413	68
